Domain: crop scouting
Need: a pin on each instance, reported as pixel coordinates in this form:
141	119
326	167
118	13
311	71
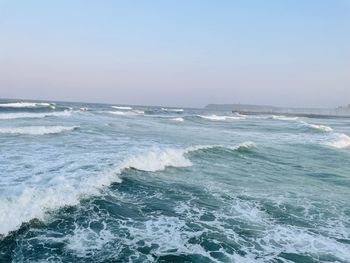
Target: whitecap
36	130
172	110
178	119
157	159
243	146
338	140
283	118
32	115
122	107
220	118
34	202
317	127
127	113
25	105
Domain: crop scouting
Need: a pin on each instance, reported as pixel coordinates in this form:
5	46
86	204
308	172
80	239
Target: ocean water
117	183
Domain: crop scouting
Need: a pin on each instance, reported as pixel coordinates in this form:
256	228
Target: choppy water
96	183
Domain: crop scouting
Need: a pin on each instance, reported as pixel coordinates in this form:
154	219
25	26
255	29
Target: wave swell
32	115
37	130
34	203
220	118
26	105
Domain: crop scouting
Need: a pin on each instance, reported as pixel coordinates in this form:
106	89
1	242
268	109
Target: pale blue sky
177	52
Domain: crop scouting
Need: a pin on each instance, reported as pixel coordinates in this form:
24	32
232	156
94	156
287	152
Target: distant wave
26	105
240	147
172	110
122	107
283	118
220	118
178	119
338	140
36	130
22	115
127	113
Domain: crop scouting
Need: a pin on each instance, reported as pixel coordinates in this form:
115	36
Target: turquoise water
96	183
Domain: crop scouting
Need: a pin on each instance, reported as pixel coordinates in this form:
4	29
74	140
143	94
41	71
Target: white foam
139	112
242	146
121	113
318	127
36	130
24	105
284	118
122	107
84	241
220	118
127	113
172	110
178	119
32	115
34	202
338	140
157	159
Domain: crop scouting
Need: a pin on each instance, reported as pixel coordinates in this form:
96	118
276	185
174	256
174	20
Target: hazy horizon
177	53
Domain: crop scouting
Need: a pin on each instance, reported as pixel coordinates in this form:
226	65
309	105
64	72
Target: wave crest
340	141
32	115
220	118
317	127
159	159
172	110
37	130
178	119
25	105
122	107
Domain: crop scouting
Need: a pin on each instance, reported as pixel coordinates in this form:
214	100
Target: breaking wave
338	140
26	105
127	113
220	118
159	159
32	115
37	130
283	118
172	110
178	119
122	107
34	203
317	127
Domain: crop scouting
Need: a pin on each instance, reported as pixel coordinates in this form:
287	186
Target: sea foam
220	118
178	119
36	130
317	127
25	105
32	115
35	202
172	110
122	107
338	140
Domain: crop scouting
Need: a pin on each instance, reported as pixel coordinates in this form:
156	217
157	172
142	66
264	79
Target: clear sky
177	52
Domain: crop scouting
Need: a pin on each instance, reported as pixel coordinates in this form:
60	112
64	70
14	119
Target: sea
84	182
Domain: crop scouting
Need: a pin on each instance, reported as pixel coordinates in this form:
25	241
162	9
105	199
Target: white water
32	115
36	130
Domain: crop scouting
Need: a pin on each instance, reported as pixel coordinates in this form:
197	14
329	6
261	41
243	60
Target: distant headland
267	109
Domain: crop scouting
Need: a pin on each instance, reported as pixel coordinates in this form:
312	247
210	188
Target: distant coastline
267	109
